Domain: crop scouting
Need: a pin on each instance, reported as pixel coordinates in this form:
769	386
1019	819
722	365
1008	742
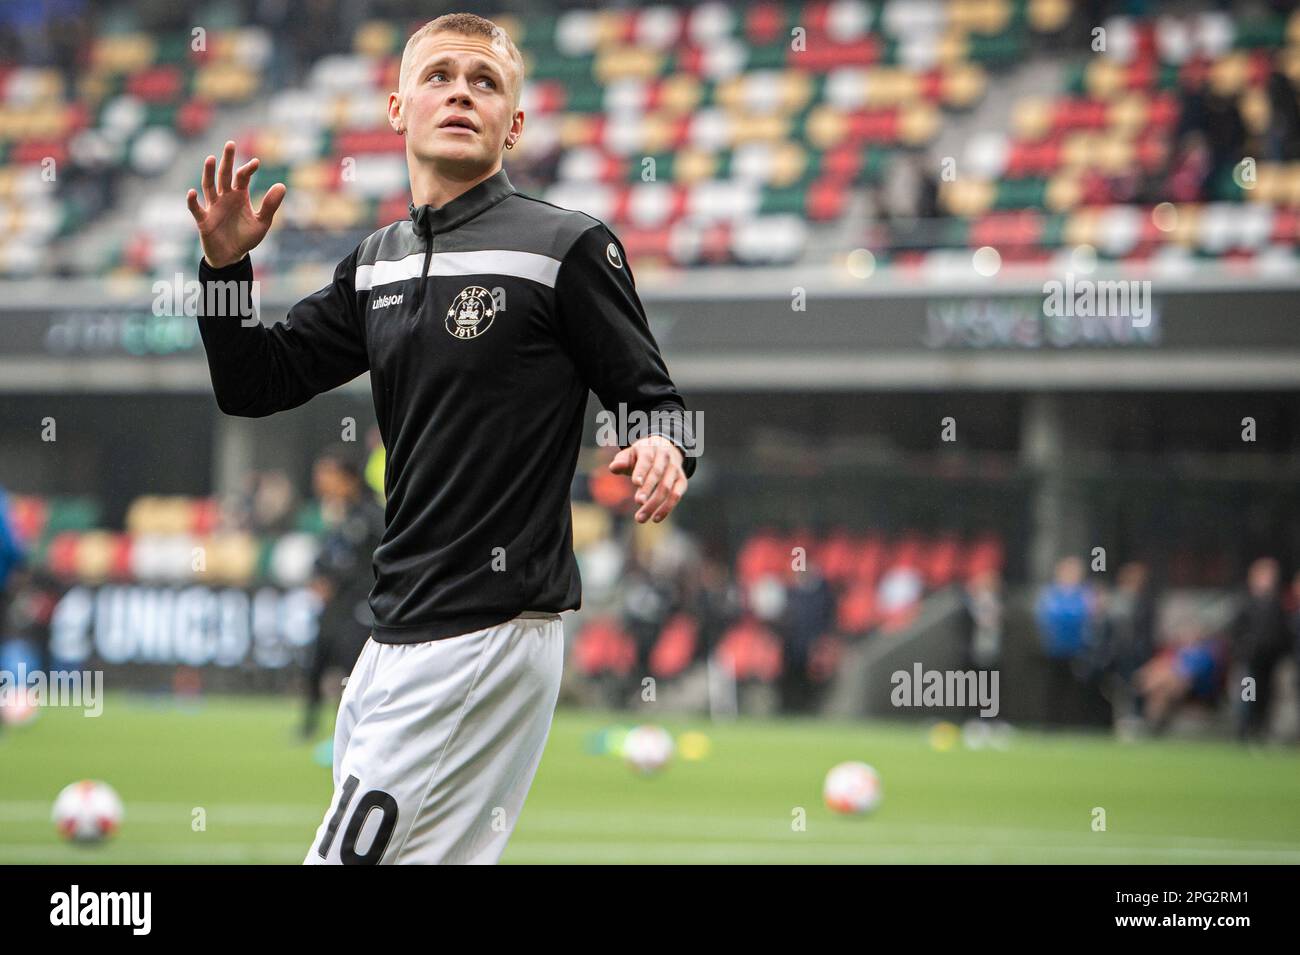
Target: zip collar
428	221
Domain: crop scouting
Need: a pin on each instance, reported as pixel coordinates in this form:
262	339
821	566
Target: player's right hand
228	227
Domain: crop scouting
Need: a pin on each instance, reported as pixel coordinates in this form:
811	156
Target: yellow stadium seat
1048	16
967	197
1291	194
826	127
378	38
591	524
1270	184
954	48
1115	155
1063	192
231	557
126	53
1104	78
963	84
94	555
336	210
626	62
1128	115
919	124
1079	149
692	165
681	94
312	176
1081	228
1255	109
788	164
577	129
1228	75
225	82
1188	225
659	133
748	129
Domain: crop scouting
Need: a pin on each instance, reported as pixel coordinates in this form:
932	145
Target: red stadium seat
675	648
604	647
751	652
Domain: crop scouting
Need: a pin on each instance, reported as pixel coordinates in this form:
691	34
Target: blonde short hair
466	24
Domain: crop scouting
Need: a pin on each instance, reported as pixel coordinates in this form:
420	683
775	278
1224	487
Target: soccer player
483	319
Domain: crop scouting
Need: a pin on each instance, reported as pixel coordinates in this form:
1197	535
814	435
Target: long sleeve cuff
674	423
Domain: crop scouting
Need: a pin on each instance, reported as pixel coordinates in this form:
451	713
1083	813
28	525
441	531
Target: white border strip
523	265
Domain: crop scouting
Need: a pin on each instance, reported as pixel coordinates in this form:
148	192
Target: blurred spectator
1190	169
1282	138
376	463
898	598
12	575
1125	641
267	504
982	620
12	557
343	573
1259	641
1063	613
1293	616
33	594
713	599
809	615
11	552
908	193
1186	669
648	600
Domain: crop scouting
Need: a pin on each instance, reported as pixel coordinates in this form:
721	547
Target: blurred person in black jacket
1259	641
1126	641
343	574
809	614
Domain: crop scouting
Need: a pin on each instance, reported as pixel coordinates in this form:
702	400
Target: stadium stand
706	135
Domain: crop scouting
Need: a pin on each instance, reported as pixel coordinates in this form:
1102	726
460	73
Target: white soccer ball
19	712
852	789
87	811
647	749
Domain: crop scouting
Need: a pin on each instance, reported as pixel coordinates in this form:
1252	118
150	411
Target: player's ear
395	113
516	128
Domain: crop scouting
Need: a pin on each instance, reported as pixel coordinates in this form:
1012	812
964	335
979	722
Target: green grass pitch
264	794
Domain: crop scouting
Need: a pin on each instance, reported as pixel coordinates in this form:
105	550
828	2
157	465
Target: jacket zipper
424	273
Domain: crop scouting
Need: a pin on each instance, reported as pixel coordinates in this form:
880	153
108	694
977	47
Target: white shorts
437	744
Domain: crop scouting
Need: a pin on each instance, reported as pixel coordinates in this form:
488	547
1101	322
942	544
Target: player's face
457	103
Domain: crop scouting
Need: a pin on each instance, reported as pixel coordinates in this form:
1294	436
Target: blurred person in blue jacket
1064	613
11	551
12	560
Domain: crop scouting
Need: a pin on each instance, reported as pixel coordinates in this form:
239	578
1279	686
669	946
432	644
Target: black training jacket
479	375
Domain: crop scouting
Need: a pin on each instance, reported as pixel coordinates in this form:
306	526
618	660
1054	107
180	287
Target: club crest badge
471	313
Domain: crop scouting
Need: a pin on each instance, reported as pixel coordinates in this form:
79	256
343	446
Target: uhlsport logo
384	301
471	312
